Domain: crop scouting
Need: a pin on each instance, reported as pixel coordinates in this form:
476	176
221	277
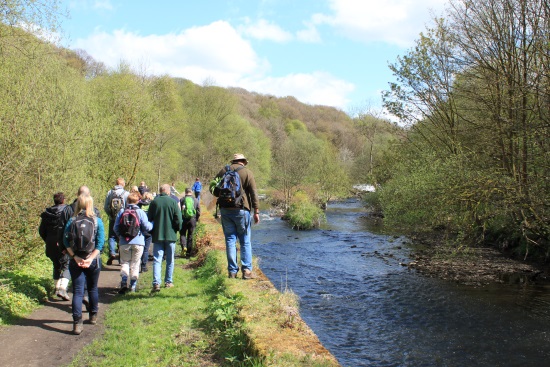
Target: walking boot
123	286
62	289
93	318
77	326
62	293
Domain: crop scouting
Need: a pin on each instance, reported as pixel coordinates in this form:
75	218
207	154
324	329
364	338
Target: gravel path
44	338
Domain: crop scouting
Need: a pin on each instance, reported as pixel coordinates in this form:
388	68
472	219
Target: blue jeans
159	250
237	224
113	239
145	256
198	196
82	278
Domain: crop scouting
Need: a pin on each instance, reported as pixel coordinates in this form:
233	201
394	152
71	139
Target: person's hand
84	263
256	218
78	260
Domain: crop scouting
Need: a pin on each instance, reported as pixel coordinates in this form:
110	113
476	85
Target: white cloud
392	21
309	34
200	54
315	88
196	53
265	30
103	4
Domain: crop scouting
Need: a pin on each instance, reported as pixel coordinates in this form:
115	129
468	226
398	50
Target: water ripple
370	311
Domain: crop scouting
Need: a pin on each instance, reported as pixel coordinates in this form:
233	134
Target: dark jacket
248	183
165	214
51	229
143	189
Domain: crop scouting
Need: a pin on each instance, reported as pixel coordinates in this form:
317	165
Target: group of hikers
75	234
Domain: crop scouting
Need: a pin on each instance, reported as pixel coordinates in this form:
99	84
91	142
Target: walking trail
44	338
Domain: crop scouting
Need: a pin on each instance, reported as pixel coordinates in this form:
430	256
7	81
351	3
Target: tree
476	88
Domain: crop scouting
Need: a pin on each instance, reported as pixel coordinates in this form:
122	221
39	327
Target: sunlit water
370	311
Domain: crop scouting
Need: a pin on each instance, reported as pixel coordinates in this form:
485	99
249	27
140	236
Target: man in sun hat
236	220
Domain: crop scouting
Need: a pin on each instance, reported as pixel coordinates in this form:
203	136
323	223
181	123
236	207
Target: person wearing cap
236	222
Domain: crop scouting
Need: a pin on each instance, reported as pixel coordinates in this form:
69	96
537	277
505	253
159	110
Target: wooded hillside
67	120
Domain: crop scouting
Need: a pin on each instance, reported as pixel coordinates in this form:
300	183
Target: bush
21	291
303	214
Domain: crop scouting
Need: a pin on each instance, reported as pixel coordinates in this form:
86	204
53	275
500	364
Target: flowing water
368	310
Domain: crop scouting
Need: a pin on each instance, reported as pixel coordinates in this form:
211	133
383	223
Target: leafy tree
475	89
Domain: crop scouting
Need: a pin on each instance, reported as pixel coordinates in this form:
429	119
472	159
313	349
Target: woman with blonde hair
135	189
83	238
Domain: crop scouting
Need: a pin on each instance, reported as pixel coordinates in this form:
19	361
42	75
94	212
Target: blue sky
327	52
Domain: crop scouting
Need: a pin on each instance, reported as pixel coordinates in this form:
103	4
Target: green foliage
330	175
474	91
296	163
223	321
67	121
303	214
294	125
22	290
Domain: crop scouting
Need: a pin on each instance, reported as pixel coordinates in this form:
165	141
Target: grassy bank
23	290
206	320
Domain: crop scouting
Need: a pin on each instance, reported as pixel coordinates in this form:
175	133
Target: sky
322	52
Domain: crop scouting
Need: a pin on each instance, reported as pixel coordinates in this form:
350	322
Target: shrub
21	291
303	214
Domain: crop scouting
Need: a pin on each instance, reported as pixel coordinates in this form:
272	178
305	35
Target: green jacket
165	214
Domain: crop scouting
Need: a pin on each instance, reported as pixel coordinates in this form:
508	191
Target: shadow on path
44	338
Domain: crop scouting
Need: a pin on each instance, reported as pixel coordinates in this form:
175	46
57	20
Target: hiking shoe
144	269
168	285
77	327
93	318
123	290
62	293
111	258
156	288
247	274
232	275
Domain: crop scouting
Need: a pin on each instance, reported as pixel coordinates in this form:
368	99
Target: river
368	310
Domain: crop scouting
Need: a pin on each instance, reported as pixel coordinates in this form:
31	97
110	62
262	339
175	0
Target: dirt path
45	337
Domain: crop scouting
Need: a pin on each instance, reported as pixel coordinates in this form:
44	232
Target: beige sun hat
239	157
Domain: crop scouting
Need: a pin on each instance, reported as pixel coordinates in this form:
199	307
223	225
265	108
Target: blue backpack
229	189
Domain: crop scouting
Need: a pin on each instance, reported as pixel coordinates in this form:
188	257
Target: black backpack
129	224
229	190
81	235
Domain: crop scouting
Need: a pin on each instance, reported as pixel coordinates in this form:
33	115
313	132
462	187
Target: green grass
23	290
180	326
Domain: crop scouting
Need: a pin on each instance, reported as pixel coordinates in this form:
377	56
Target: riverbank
206	319
434	256
277	333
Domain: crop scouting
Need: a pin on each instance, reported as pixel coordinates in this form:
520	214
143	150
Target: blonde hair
148	195
85	202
